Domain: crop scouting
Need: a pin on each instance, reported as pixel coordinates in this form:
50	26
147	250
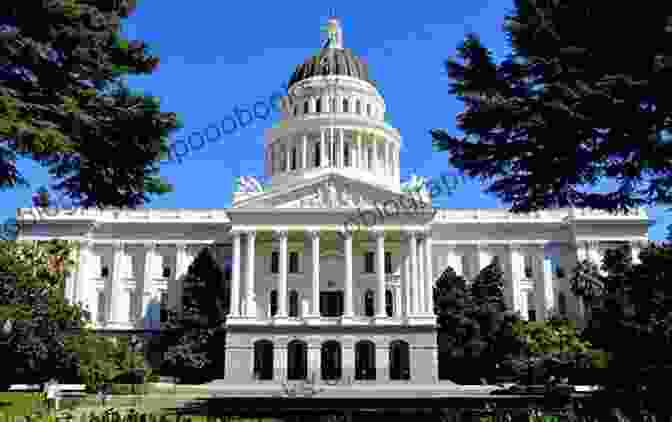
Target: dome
332	59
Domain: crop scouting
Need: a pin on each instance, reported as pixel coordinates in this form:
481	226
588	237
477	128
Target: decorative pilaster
379	235
406	278
250	302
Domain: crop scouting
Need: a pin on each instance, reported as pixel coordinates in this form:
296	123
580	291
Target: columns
147	287
386	159
483	258
636	248
379	235
413	247
323	150
429	274
341	148
374	146
359	161
315	247
517	264
235	276
182	262
406	278
119	295
548	289
250	302
304	152
348	306
420	280
454	259
282	279
87	288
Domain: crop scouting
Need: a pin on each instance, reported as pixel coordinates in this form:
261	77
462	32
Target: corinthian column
413	247
234	311
282	279
315	249
379	234
250	302
347	239
429	274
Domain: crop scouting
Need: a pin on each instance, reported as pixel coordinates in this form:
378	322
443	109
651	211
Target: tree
64	102
476	332
564	111
631	318
194	338
31	296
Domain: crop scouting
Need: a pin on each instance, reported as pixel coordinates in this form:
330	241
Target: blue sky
219	55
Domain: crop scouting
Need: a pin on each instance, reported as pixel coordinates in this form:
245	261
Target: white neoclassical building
331	262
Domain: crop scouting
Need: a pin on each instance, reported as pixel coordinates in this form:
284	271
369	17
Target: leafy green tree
64	102
31	296
476	332
194	338
631	318
563	112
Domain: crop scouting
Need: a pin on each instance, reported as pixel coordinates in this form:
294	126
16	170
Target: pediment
329	192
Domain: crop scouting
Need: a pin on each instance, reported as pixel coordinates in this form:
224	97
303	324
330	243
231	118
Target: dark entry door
297	357
331	360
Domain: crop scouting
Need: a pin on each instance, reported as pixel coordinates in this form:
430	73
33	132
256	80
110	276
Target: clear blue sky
218	55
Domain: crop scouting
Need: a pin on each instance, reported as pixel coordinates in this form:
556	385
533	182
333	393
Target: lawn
16	403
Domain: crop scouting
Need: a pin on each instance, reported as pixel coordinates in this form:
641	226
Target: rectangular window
293	158
369	262
318	153
369	156
531	312
164	306
346	155
528	266
388	262
131	306
293	262
275	262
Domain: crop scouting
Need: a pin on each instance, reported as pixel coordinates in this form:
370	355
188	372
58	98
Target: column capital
345	233
377	232
280	232
149	245
181	247
313	232
118	245
410	233
251	233
237	231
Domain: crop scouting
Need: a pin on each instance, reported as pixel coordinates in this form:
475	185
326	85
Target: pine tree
194	336
65	104
564	111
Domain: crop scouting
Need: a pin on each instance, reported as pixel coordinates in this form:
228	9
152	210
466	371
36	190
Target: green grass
15	403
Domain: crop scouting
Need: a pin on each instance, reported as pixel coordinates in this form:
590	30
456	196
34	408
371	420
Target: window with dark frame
388	262
275	262
274	302
293	158
369	263
293	262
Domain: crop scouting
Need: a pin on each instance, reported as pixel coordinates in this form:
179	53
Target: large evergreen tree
65	104
32	278
581	99
631	318
194	338
476	332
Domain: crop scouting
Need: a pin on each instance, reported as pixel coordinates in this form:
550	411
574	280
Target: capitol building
317	288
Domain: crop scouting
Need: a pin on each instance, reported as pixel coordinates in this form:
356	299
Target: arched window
331	360
293	304
345	105
389	306
274	302
368	303
359	107
400	368
297	360
562	303
318	105
263	360
305	107
365	360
